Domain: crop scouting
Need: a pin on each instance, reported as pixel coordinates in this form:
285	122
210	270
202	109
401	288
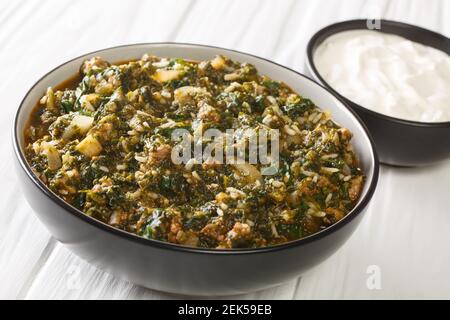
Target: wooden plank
23	242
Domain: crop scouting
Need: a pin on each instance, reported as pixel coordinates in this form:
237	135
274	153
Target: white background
406	232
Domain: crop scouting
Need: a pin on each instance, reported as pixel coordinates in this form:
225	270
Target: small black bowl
174	268
399	142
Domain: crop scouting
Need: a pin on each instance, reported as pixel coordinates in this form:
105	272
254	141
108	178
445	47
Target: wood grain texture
405	233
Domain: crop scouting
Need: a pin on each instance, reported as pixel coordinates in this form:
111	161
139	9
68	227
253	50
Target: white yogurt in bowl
388	74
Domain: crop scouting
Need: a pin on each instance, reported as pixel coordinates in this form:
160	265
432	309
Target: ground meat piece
355	188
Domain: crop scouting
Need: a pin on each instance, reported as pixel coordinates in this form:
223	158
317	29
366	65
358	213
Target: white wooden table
405	234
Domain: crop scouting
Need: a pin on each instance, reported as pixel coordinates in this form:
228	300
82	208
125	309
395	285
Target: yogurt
387	74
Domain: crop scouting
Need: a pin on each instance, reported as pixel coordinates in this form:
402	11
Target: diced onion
52	154
89	146
217	63
166	75
249	171
79	124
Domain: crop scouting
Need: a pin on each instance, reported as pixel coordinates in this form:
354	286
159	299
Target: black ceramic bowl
398	142
173	268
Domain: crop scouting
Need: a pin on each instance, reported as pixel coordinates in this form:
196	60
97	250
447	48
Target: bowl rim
361	24
361	205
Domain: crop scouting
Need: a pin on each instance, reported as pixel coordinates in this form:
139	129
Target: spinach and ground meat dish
103	144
